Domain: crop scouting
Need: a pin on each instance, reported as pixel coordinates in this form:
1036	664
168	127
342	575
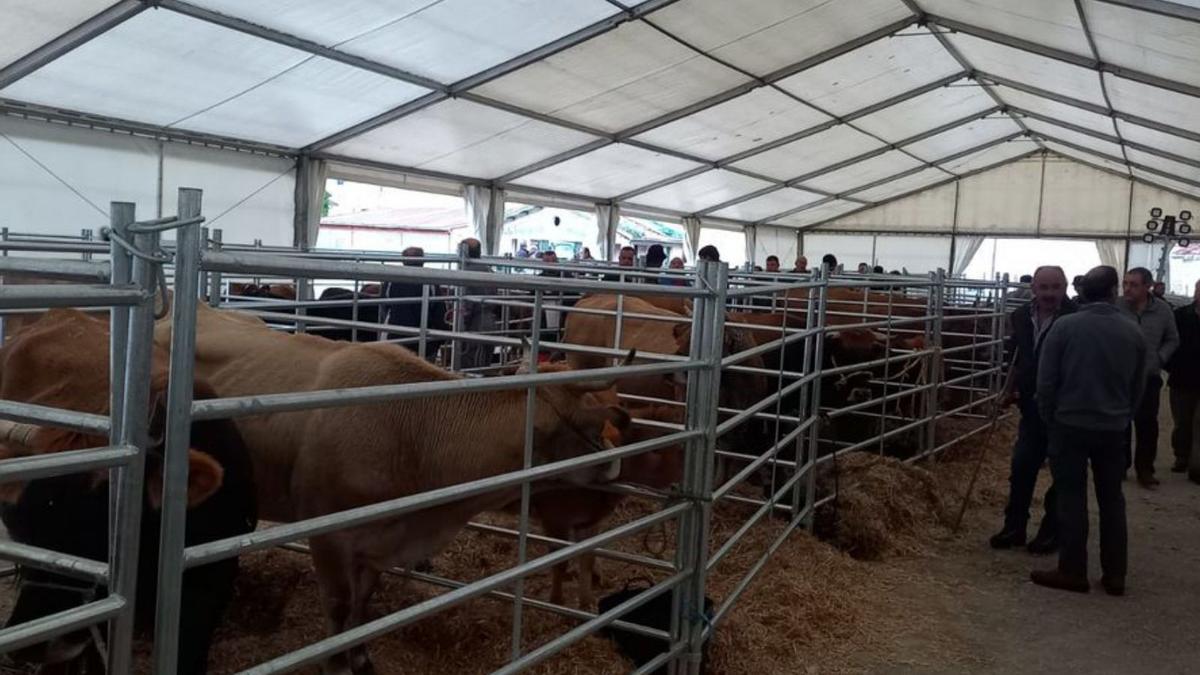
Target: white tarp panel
927	111
1178	169
864	172
614	81
768	205
969	135
1159	45
917	255
1146	197
849	249
608	172
993	155
735	126
900	186
1171	143
700	192
445	41
167	69
1054	24
1161	181
810	153
766	35
875	72
58	180
461	137
1055	110
1079	200
29	24
816	214
1039	71
731	245
927	211
1004	199
776	241
247	196
1057	133
1155	103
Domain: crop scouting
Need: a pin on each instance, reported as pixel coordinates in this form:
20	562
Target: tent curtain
751	245
607	218
691	237
966	246
1112	253
310	196
485	212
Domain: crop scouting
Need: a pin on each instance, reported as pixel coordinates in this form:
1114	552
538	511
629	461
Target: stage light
1156	212
1151	225
1148	238
1184	228
1185	215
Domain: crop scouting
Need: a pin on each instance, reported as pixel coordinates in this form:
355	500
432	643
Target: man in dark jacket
1090	378
409	313
1030	323
1184	369
1157	322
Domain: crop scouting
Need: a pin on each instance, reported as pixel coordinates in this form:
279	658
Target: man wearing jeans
1090	378
1184	368
1030	324
1157	323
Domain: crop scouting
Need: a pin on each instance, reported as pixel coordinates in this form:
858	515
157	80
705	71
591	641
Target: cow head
576	419
70	514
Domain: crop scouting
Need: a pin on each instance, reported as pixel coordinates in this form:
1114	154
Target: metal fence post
933	399
456	347
214	278
134	409
814	411
708	323
177	435
998	335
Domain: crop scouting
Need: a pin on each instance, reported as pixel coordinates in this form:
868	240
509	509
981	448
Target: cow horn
16	433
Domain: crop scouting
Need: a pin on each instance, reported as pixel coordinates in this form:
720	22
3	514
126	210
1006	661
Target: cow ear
679	329
619	417
205	476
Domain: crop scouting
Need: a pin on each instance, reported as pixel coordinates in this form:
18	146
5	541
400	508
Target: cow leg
588	579
333	562
365	584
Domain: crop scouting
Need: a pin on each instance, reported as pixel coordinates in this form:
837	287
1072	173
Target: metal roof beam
1091	107
1087	33
92	27
957	56
883	181
1117	160
86	120
1061	55
933	186
499	70
1172	9
1111	139
797	181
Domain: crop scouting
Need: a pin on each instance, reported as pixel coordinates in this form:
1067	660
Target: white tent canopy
791	113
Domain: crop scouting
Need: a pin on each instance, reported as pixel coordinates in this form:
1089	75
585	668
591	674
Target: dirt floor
982	604
926	600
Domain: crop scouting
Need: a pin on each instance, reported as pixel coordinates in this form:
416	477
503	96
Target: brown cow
332	459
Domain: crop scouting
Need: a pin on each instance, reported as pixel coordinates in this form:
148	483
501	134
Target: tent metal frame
937	26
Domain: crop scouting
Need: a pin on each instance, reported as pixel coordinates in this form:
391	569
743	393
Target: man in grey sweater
1157	323
1091	375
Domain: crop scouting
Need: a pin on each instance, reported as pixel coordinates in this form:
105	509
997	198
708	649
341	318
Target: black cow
70	514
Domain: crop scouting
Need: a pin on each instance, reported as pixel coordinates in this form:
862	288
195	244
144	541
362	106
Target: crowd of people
1086	376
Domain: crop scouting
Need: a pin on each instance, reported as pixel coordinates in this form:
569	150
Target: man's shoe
1044	543
1007	539
1148	481
1060	581
1113	586
1180	466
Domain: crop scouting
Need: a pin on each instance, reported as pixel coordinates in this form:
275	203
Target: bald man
1029	324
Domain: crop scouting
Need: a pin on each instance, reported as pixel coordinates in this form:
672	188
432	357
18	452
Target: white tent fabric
485	212
965	248
1111	252
777	241
751	253
310	190
607	218
765	112
691	237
